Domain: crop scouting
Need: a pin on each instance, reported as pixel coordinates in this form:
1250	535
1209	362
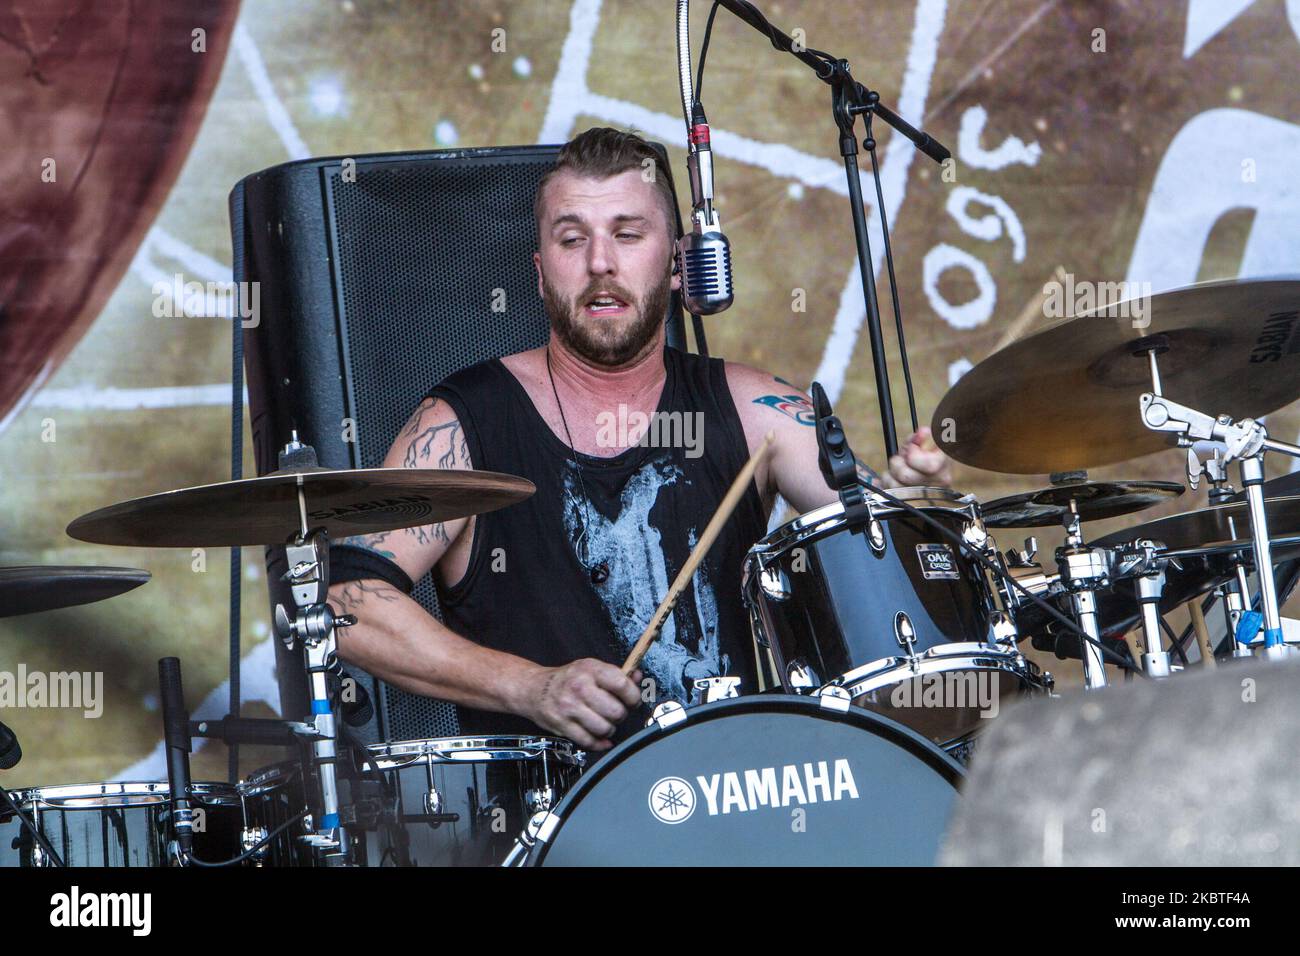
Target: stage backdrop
1093	142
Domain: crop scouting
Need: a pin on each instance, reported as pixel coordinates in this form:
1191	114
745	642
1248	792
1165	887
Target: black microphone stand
849	100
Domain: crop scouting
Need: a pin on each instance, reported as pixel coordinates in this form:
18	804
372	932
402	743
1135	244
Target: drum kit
887	629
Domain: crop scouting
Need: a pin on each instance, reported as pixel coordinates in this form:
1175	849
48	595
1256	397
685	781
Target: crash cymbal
1094	501
26	590
1283	486
1217	528
1067	397
265	510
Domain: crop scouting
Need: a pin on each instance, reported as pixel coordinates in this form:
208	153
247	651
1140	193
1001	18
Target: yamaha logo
672	800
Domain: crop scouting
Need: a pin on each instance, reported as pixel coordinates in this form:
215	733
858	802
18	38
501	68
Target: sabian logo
742	791
362	507
1277	330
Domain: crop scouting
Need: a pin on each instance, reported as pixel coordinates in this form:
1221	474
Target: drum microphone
176	737
704	253
10	752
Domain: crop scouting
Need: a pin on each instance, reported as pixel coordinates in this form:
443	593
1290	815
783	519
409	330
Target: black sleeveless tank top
525	590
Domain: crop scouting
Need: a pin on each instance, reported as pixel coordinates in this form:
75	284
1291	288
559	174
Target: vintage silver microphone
703	254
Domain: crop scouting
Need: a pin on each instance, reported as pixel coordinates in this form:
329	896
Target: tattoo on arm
371	542
867	473
422	442
794	405
353	594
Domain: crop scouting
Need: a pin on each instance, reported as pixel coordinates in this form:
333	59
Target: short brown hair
602	152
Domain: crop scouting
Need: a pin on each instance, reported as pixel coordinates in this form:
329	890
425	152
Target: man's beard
607	342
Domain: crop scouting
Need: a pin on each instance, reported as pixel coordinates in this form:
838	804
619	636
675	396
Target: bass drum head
771	780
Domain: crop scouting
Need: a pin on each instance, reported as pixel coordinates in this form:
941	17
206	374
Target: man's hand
584	701
920	462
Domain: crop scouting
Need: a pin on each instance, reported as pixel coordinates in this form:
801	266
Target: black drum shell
845	596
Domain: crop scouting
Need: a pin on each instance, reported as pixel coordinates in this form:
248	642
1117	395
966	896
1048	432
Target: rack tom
891	610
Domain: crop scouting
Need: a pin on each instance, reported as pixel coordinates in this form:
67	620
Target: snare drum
118	824
765	780
455	801
890	610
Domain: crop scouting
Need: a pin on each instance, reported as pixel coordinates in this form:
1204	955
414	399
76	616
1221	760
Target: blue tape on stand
1273	637
329	821
320	707
1248	626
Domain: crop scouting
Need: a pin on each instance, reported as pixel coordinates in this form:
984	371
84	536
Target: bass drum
118	824
767	780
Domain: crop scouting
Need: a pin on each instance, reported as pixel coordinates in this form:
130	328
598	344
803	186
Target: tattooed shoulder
791	404
431	443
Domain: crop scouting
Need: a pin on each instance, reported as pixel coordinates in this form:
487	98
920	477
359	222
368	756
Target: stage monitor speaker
377	277
1200	769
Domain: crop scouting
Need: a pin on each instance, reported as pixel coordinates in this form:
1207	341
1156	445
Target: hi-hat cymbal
26	590
261	511
1094	501
1216	528
1067	397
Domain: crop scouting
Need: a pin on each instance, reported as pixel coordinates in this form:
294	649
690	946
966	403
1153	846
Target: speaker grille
435	274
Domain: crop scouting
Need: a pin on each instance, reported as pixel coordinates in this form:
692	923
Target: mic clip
838	464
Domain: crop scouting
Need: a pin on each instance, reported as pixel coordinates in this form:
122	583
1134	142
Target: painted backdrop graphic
1102	141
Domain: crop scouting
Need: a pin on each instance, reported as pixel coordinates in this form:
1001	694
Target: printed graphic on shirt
639	578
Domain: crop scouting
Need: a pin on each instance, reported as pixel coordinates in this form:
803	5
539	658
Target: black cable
1115	659
39	836
704	51
193	860
1173	639
870	144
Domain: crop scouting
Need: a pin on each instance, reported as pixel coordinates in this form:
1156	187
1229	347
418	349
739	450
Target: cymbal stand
1084	571
313	627
1142	560
1234	594
1246	441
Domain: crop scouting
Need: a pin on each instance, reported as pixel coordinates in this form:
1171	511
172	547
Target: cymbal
1223	527
1094	501
1283	486
28	589
1066	397
261	511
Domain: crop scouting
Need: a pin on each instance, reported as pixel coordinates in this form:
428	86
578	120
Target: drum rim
830	517
394	754
397	754
941	658
128	793
891	730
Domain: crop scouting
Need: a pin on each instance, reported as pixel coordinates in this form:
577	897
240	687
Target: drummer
631	445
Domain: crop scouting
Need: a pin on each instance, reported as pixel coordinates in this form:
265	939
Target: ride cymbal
1067	397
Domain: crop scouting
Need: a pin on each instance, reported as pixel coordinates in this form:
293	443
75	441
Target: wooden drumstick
1202	632
711	531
